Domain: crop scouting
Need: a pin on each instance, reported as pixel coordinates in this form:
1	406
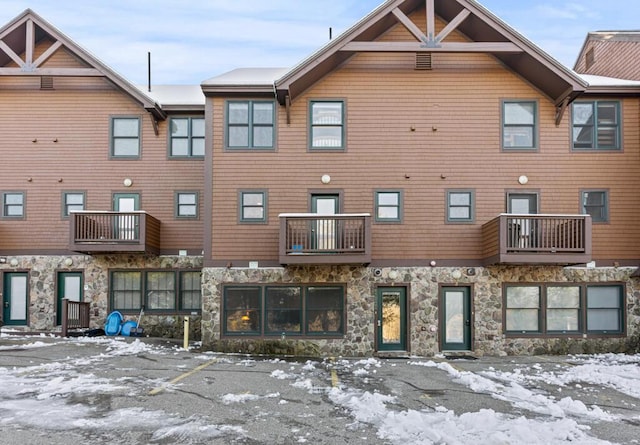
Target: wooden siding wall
77	114
612	58
423	132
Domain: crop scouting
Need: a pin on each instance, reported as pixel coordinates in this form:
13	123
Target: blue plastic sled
127	326
114	323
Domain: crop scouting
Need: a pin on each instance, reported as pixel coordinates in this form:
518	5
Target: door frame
468	313
403	345
6	296
60	287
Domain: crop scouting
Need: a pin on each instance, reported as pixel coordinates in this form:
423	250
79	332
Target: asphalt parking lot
106	390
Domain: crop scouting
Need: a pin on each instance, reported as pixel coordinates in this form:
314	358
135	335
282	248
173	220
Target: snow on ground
38	396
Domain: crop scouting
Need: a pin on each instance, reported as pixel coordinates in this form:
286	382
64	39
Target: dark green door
15	298
391	320
455	326
69	287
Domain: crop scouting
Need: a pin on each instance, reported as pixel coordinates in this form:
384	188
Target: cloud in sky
192	40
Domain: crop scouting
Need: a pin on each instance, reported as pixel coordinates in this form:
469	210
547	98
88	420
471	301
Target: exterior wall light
456	274
68	261
128	182
523	180
326	179
393	275
13	262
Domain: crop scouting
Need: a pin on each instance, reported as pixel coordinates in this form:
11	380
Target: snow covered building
429	181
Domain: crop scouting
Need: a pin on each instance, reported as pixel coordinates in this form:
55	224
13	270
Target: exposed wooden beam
16	58
412	27
287	104
560	110
29	45
431	21
60	72
453	47
154	122
48	53
453	24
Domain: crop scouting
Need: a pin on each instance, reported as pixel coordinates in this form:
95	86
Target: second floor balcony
309	238
114	232
537	239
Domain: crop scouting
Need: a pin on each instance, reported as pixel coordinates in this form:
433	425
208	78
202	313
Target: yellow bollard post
186	333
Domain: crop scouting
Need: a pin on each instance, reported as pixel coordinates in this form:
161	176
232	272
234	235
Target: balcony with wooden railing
537	239
114	232
309	238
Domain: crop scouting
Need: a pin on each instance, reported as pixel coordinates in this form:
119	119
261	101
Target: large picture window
166	291
596	125
557	309
284	310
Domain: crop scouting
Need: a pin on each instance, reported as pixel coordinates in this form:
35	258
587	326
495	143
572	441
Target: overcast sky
193	40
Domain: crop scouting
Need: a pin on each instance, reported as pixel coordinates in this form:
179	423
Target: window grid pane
126	290
594	203
190	291
519	126
596	125
73	201
388	206
460	206
327	124
523	308
253	206
126	137
250	124
161	290
187	137
242	310
283	310
187	204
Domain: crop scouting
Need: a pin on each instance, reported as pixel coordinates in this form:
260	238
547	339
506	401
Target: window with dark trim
326	120
564	308
283	310
72	201
160	291
186	137
460	206
125	137
13	205
519	125
596	204
388	205
187	204
253	206
595	125
250	124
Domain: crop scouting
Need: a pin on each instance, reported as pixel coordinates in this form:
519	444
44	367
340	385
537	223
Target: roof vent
46	83
423	61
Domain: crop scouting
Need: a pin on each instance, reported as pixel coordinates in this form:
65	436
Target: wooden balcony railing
75	315
537	239
309	238
113	232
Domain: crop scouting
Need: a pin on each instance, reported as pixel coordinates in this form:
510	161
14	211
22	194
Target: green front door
15	299
391	320
69	287
455	322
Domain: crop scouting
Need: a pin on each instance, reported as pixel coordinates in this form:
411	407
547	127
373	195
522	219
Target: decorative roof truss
429	41
19	43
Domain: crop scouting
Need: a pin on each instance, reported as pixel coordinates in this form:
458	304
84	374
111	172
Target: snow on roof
247	76
602	81
175	95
